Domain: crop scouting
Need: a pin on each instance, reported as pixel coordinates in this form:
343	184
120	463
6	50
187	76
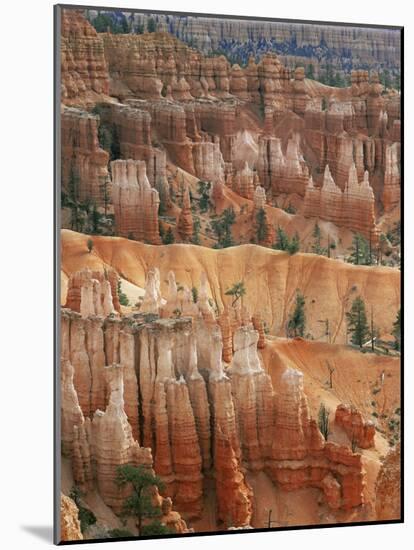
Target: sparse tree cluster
222	228
283	242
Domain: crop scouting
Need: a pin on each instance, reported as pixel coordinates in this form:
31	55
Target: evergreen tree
222	228
140	504
105	194
73	185
396	330
310	72
151	25
357	322
261	225
237	290
123	298
282	240
297	321
89	244
294	244
360	251
196	231
169	237
323	421
95	219
86	517
317	236
204	192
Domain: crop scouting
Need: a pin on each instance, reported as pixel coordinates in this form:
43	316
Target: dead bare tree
331	370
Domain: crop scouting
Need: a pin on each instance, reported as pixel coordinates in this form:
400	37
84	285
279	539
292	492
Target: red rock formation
69	522
135	202
71	413
258	325
208	160
90	293
356	428
243	421
152	300
301	458
282	174
185	220
388	487
134	132
225	324
244	182
112	442
84	163
392	190
234	495
84	71
353	208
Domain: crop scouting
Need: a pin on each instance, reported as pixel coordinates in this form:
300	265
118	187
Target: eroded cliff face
388	488
69	522
263	124
84	67
167	398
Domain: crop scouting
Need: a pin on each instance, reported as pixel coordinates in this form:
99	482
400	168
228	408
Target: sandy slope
356	379
271	278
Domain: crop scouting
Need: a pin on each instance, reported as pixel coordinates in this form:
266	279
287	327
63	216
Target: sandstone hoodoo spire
353	208
195	378
135	201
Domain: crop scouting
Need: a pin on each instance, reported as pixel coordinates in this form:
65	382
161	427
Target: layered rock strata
353	208
194	416
84	162
69	522
361	433
282	173
136	203
84	70
92	292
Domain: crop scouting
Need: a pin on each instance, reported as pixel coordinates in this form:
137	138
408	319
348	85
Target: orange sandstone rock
135	202
69	522
357	429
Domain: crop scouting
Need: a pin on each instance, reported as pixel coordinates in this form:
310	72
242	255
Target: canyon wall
84	162
353	208
196	413
136	203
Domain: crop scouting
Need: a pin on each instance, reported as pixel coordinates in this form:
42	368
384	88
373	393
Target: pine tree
204	192
196	231
317	236
357	322
123	298
297	321
310	72
140	503
169	237
105	194
396	330
261	225
151	25
294	244
282	240
237	290
360	251
222	228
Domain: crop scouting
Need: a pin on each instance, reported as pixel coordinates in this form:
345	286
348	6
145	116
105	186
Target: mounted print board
228	269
